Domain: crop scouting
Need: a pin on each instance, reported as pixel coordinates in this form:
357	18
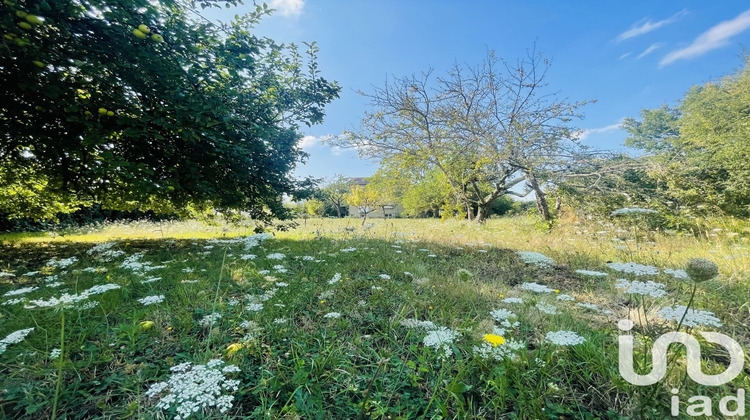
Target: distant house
385	212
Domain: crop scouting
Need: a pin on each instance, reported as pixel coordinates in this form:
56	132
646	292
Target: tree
486	128
147	105
363	199
314	207
335	191
700	149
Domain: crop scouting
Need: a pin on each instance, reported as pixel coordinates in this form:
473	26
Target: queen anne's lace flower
332	315
210	320
150	300
633	268
536	287
678	274
275	256
14	338
441	339
21	291
190	390
649	288
564	338
502	314
512	300
336	278
632	210
592	273
415	323
693	318
547	308
501	352
535	258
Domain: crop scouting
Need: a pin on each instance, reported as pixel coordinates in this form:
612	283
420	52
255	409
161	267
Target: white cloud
714	38
288	8
624	55
645	26
308	141
584	134
649	50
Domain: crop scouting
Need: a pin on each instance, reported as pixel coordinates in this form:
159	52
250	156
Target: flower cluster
68	299
20	291
415	323
14	338
332	315
512	300
693	317
536	287
488	350
275	256
441	339
592	273
700	269
648	288
501	314
564	338
632	210
149	300
633	268
190	390
678	274
336	278
63	263
535	258
546	308
210	320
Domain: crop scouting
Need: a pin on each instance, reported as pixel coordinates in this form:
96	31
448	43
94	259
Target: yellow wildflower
233	348
494	339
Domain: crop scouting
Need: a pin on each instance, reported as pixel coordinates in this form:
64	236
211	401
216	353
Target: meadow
391	319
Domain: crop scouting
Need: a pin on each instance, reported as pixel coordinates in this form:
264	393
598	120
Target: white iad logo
659	357
701	405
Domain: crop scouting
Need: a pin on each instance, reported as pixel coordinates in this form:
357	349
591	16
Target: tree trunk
338	210
469	212
482	211
541	197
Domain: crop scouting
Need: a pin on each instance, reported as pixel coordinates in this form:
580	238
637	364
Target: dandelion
150	300
493	339
564	338
692	317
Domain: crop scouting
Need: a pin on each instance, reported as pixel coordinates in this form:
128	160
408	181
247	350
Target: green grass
364	364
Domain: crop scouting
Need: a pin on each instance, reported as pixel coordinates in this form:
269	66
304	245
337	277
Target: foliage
147	105
314	207
334	193
363	198
486	128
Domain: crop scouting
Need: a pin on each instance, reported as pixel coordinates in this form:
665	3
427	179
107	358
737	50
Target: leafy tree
364	199
700	150
334	192
486	128
314	207
147	105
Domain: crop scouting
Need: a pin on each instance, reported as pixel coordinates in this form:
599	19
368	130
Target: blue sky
625	55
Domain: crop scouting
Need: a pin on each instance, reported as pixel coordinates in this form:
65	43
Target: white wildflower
648	288
538	288
535	258
332	315
678	274
693	318
501	352
564	338
632	210
502	314
21	291
565	298
633	268
547	308
592	273
385	276
149	300
441	339
14	338
55	353
254	307
512	300
190	390
336	278
415	323
150	280
210	320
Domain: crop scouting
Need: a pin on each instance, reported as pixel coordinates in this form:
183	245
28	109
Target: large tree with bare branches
488	128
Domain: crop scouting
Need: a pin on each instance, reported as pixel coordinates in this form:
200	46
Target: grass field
394	319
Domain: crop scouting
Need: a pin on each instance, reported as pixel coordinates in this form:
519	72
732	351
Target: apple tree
147	105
